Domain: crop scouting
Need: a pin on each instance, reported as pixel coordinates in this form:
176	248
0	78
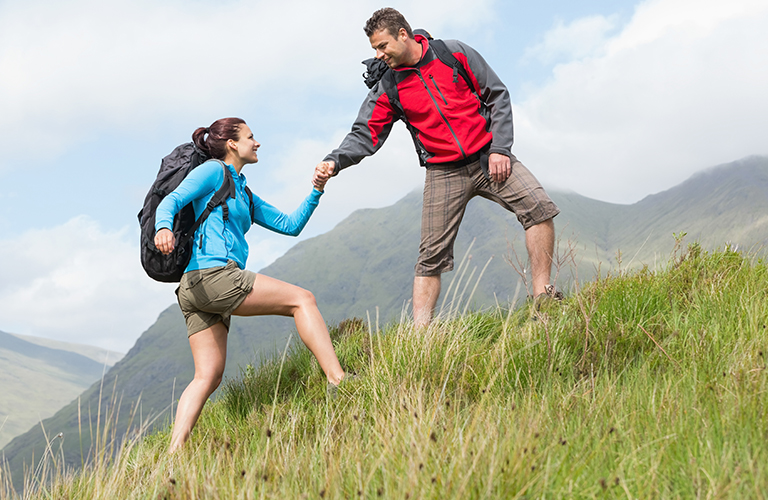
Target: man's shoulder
454	45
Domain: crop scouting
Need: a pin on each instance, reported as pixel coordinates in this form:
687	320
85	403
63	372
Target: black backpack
377	71
173	169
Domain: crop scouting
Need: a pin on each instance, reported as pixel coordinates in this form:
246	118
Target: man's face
392	50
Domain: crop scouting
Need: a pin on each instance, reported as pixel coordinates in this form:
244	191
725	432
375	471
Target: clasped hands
323	171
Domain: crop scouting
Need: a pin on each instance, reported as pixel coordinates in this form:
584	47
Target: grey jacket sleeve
369	131
493	93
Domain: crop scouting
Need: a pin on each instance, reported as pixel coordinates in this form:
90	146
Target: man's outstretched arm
369	131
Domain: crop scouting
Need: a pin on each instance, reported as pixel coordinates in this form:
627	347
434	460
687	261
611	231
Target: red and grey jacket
450	120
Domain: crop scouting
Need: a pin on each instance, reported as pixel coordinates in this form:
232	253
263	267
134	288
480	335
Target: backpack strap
250	198
220	197
446	57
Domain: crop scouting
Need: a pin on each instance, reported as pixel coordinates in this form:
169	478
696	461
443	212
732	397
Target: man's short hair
389	19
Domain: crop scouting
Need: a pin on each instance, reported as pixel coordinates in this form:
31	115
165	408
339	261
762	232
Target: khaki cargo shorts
448	189
208	296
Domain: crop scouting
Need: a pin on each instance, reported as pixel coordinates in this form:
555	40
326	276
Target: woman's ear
232	144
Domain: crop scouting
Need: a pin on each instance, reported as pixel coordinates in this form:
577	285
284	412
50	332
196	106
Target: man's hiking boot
544	302
333	390
550	294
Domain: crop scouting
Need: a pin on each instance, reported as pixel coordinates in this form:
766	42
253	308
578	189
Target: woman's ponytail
198	137
212	140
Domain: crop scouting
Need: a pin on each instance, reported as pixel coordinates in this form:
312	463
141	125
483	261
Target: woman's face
246	145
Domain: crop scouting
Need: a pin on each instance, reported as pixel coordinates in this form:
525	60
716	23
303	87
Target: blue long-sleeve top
215	241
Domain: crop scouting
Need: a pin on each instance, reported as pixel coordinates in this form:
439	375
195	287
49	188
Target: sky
613	99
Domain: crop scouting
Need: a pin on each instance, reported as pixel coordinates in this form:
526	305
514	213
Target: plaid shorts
208	296
448	189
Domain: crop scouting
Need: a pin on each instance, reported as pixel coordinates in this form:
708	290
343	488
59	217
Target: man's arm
369	131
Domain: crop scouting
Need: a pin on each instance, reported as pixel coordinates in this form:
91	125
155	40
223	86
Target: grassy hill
39	376
368	268
641	385
146	381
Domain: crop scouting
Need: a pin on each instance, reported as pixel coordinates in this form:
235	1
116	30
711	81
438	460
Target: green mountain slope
366	262
35	381
642	384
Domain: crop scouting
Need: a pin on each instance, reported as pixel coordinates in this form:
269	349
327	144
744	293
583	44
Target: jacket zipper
442	115
434	82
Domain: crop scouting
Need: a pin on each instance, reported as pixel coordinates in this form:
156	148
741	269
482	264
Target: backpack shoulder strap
446	57
389	85
220	197
250	196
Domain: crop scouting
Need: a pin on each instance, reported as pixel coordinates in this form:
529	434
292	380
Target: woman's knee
210	378
305	298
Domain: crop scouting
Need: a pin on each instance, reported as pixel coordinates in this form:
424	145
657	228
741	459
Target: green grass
640	385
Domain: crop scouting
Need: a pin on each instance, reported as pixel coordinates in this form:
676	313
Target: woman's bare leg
271	296
209	350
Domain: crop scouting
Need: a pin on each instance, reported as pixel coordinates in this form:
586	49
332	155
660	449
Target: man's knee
545	225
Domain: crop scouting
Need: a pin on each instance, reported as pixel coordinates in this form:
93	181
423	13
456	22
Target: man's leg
426	290
522	194
446	193
540	243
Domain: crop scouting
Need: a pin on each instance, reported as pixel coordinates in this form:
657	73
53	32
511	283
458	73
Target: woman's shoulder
207	175
209	169
211	164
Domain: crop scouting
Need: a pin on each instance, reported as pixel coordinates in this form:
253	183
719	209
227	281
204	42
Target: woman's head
213	140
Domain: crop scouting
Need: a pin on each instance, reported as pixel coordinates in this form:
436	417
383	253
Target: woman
215	284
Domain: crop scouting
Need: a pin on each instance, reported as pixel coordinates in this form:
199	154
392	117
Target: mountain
97	354
39	376
366	262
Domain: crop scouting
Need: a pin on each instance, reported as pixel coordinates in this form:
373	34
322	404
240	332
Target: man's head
392	38
387	19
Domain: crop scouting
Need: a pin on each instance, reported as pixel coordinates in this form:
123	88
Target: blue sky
614	100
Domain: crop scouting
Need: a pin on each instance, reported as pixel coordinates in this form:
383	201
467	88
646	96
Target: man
464	138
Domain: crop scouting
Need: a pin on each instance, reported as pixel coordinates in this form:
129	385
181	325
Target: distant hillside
98	354
367	263
36	381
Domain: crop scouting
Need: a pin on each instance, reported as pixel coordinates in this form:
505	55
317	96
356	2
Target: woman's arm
200	182
269	217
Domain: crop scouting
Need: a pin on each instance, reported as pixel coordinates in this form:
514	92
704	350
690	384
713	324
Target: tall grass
640	385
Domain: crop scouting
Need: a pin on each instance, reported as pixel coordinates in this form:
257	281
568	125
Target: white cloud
86	66
78	283
682	87
575	40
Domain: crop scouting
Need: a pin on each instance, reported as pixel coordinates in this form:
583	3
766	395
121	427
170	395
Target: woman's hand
164	241
323	171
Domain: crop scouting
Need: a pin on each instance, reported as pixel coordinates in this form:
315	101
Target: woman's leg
271	296
209	350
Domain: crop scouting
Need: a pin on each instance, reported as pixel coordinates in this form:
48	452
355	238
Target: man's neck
415	52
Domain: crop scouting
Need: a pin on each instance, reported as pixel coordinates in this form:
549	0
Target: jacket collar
424	48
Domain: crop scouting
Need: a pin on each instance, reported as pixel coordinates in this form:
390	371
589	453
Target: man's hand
499	167
164	241
323	171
